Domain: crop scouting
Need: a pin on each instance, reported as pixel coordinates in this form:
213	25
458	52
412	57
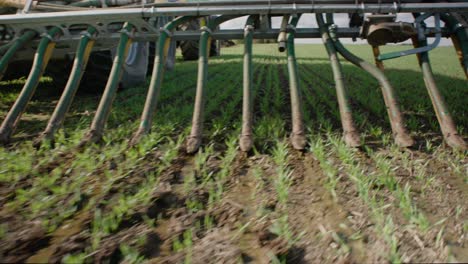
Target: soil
247	223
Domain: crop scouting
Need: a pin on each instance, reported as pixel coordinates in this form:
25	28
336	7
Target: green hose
350	133
157	77
401	136
297	137
194	139
105	104
246	137
12	48
81	59
43	54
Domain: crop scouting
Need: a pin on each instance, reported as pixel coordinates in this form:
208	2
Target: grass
399	191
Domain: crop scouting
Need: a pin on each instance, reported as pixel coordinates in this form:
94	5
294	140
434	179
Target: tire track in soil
180	219
325	223
437	202
69	155
319	219
410	245
82	219
372	246
72	229
239	194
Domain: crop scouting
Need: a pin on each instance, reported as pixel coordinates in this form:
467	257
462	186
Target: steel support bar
400	134
105	104
298	140
16	44
446	123
125	14
156	78
41	58
350	133
108	39
79	65
246	137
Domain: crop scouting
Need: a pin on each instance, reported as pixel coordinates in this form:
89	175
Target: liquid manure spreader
147	31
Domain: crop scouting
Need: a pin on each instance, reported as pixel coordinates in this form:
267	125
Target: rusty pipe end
282	46
246	143
44	138
456	142
351	138
403	140
298	141
137	137
93	136
193	144
5	137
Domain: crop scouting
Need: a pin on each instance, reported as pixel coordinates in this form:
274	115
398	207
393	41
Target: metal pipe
350	133
83	52
105	104
246	137
125	14
16	44
153	34
41	58
156	78
401	136
297	137
273	2
282	34
446	123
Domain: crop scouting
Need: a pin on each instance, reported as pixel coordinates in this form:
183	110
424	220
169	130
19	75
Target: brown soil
246	223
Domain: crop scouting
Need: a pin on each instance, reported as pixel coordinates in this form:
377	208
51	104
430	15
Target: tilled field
110	202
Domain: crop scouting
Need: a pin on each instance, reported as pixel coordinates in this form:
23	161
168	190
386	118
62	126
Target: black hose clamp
290	28
51	38
85	33
249	28
130	34
206	29
167	31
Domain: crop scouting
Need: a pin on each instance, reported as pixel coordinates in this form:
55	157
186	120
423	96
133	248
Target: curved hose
12	48
350	134
42	56
400	134
195	137
105	104
83	52
157	77
446	123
